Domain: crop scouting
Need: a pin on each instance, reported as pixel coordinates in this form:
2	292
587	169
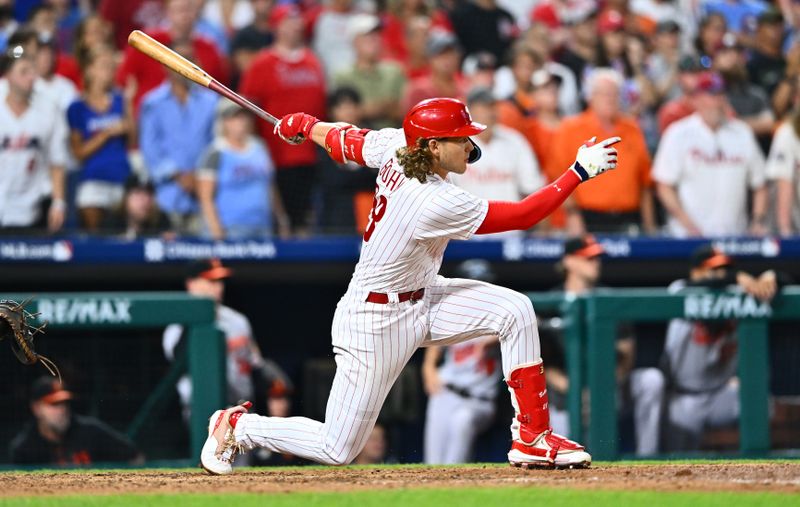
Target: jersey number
375	215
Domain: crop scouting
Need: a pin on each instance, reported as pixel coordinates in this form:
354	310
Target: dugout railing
590	325
205	351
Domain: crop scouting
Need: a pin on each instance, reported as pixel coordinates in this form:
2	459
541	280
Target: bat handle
243	102
246	104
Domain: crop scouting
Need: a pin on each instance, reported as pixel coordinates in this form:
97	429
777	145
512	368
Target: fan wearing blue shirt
176	126
101	126
236	182
741	15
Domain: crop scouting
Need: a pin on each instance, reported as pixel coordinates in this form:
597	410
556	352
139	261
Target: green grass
596	464
465	497
512	496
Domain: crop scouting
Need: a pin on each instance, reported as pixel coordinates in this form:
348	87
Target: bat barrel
184	67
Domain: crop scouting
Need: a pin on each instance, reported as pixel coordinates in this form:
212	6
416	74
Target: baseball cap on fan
544	77
480	95
226	108
50	391
583	246
363	24
209	269
610	21
440	41
691	63
668	26
710	82
135	182
480	61
771	16
281	12
11	55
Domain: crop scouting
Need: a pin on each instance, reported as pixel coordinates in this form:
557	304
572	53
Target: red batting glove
295	128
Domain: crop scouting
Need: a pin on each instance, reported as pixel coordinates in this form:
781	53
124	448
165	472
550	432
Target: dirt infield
775	477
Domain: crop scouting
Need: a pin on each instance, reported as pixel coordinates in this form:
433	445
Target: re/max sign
92	311
724	306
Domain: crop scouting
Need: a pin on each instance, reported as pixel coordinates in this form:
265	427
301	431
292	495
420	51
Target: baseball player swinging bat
189	70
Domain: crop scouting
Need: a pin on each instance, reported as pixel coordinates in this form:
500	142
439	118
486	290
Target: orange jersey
618	191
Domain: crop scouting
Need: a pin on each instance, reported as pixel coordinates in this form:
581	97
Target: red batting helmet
441	117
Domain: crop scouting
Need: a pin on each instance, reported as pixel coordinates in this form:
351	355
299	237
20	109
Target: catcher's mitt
15	327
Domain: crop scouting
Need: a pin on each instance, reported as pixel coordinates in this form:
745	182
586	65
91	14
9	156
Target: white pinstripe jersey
411	222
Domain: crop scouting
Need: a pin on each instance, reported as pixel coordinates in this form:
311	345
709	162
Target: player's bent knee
522	310
653	381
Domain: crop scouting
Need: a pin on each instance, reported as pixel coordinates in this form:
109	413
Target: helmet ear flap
475	154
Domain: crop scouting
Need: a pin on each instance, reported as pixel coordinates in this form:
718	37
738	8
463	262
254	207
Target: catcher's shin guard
220	447
534	443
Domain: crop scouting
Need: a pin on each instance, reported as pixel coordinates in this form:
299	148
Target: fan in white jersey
397	302
507	169
705	165
33	149
783	166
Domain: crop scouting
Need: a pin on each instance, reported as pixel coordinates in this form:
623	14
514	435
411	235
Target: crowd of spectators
97	138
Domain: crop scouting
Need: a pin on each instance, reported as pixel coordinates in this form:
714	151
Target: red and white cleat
547	451
221	448
534	443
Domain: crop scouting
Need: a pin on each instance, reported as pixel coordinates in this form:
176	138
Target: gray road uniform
700	359
242	357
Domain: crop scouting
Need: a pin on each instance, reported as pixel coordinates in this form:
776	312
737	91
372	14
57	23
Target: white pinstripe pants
372	344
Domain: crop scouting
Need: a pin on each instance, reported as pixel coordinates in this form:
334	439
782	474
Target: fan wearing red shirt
148	73
131	15
284	78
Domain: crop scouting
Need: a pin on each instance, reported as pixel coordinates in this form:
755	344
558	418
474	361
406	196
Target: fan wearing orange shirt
623	202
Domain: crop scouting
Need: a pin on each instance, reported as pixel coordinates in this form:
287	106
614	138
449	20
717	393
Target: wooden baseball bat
189	70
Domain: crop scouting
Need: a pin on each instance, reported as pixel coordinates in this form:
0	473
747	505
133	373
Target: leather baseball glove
14	327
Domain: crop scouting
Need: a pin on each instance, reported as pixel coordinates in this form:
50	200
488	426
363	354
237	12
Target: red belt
382	299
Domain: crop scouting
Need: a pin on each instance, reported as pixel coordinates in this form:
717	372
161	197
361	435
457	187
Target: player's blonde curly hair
417	161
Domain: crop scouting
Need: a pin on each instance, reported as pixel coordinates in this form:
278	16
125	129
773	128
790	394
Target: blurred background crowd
99	139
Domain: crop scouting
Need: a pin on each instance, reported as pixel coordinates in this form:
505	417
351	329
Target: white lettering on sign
724	306
158	251
59	251
85	311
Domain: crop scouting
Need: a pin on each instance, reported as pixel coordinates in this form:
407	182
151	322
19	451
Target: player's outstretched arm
342	141
592	160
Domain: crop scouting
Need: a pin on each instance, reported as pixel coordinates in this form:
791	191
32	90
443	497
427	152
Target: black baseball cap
134	182
771	16
210	269
583	246
708	256
439	42
690	63
480	96
11	55
543	77
482	60
49	390
668	25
